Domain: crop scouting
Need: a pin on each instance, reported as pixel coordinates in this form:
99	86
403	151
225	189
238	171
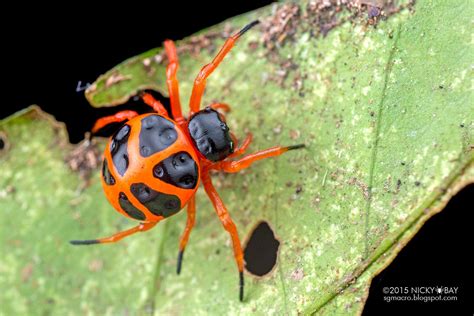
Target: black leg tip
84	242
293	147
180	261
241	286
247	27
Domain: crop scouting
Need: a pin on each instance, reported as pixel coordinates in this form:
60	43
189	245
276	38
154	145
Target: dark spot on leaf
299	189
417	183
261	251
461	125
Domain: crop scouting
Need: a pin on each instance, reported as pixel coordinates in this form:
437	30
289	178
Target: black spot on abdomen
128	207
179	170
156	134
160	204
108	178
118	149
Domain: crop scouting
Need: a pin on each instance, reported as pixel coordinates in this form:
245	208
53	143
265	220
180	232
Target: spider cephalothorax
211	135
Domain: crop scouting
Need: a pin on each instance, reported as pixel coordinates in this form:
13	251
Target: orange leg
220	106
117	117
114	238
228	225
189	226
154	103
239	151
172	81
245	162
200	81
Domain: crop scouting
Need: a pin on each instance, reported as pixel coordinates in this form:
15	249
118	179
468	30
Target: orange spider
154	163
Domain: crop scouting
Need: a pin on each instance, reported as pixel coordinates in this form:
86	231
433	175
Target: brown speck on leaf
253	45
324	15
298	82
10	189
297	274
317	200
373	14
115	78
318	18
299	189
7	191
148	68
361	185
394	203
277	129
399	184
286	66
146	62
294	134
281	26
84	159
26	272
96	265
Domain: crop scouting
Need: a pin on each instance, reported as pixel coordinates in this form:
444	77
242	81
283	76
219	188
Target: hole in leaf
261	251
3	142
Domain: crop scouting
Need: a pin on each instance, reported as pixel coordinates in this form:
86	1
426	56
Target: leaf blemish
116	78
4	144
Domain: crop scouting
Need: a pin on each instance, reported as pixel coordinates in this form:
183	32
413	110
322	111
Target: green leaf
387	116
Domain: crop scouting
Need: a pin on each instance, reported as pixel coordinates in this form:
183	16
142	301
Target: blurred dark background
49	49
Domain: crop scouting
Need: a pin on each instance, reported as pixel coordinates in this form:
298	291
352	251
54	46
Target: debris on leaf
84	159
115	78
